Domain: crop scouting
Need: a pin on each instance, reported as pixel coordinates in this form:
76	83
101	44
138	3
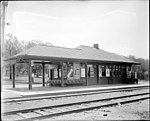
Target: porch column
13	69
10	76
125	71
58	70
86	74
97	68
62	74
30	75
43	75
48	72
112	73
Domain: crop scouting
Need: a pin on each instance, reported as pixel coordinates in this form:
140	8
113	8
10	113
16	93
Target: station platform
38	90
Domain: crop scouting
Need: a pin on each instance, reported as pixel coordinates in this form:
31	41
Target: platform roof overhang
79	54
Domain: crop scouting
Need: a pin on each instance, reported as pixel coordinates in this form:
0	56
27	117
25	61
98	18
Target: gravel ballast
55	101
132	111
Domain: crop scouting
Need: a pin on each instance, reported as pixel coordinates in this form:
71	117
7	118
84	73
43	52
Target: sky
120	27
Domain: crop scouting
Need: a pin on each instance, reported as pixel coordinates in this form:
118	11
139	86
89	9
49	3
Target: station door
92	75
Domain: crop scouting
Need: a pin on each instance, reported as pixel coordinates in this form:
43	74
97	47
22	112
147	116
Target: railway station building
84	65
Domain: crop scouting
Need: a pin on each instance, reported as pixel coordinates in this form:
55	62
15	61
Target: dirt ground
132	111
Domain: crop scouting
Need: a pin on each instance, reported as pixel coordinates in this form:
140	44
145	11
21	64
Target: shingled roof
82	52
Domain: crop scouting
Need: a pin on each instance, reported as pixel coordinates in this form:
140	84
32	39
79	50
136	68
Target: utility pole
3	6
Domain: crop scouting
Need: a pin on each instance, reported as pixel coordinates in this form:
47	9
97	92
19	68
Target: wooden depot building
83	65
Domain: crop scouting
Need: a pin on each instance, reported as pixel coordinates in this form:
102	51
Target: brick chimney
96	46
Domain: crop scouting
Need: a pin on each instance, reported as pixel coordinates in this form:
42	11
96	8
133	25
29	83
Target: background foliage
13	46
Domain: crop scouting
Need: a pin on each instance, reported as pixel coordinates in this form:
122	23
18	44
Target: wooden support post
30	75
43	75
58	71
86	74
10	75
125	71
97	69
112	76
48	72
13	67
62	75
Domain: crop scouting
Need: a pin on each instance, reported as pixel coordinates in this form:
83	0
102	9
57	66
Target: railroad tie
40	112
56	110
23	115
48	111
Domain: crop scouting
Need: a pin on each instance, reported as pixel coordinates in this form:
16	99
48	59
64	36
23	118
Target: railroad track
88	92
72	107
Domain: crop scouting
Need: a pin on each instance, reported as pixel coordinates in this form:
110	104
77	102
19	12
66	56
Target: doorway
92	74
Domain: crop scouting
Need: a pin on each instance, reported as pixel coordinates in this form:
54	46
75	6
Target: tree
131	57
28	44
141	69
12	47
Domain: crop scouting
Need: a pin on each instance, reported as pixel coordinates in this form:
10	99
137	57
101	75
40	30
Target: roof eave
33	57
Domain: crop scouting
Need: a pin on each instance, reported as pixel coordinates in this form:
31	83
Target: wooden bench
132	81
67	82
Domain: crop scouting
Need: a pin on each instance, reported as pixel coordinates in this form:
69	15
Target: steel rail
72	103
75	94
86	108
82	109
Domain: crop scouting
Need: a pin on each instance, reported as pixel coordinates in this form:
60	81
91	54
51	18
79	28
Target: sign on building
55	73
59	72
100	71
107	72
64	67
70	73
76	70
82	72
135	75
